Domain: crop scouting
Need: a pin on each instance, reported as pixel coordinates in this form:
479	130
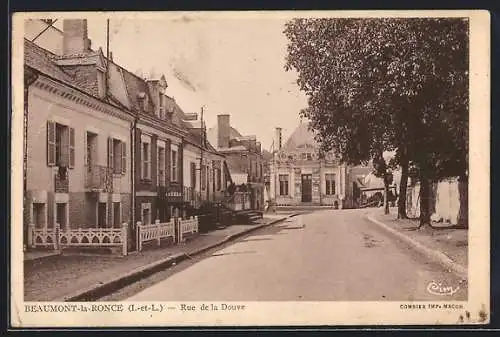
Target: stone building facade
300	176
244	157
106	146
78	146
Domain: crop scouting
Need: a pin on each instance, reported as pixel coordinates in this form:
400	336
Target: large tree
379	85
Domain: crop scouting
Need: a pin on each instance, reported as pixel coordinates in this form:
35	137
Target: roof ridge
49	56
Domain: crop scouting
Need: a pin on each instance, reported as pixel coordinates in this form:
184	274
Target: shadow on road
234	253
256	239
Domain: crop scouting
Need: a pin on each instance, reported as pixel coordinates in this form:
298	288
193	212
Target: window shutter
124	157
71	147
110	153
51	143
85	149
180	164
157	165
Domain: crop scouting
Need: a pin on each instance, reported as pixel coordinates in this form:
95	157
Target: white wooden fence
155	232
186	227
58	238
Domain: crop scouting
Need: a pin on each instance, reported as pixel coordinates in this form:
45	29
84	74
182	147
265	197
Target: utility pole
107	58
201	150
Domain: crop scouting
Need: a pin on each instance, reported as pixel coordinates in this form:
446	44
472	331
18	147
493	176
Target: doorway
102	215
306	187
61	217
117	214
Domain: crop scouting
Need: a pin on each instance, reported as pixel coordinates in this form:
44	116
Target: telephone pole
201	149
107	58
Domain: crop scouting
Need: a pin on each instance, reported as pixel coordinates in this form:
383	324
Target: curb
97	291
431	254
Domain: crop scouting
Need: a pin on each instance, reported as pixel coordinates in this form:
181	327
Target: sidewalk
60	276
444	238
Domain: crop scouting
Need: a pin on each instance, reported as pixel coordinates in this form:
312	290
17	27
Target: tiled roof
300	136
136	85
85	77
42	61
236	148
91	57
80	71
213	131
266	155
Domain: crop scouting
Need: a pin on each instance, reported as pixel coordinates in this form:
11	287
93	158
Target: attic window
161	106
142	98
101	83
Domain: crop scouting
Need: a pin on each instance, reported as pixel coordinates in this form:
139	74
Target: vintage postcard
250	168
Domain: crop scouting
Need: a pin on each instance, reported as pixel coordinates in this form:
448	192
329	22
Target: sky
230	65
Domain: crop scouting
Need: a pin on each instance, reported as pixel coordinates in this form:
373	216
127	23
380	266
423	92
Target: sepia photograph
250	168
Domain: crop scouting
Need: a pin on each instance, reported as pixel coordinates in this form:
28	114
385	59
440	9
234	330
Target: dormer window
142	98
161	106
101	82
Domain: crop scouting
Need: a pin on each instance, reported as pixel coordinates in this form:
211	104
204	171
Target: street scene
194	158
322	256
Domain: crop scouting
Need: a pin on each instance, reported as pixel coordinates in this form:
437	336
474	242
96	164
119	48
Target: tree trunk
402	191
386	197
463	215
424	195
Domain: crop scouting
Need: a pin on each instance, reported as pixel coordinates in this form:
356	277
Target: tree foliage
386	84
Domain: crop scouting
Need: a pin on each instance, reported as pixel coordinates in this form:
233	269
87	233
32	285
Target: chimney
223	130
278	140
76	39
253	144
111	56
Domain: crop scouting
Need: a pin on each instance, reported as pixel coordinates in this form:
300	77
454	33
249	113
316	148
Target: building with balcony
244	157
167	153
300	175
106	146
77	137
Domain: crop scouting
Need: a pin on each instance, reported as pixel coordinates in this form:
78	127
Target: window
61	216
161	166
192	170
330	184
60	145
39	215
219	179
117	152
173	176
146	161
102	214
161	106
146	214
309	156
90	149
304	156
101	83
283	178
203	177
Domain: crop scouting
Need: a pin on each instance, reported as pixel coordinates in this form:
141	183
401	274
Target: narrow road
332	255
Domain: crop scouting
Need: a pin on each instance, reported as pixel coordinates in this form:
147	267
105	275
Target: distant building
300	175
244	157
